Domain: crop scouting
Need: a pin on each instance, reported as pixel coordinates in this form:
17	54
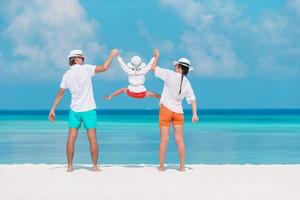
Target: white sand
241	182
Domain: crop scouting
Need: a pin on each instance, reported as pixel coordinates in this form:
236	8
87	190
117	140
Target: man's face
78	60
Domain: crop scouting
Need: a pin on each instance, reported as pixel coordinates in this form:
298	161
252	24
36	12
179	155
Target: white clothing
136	76
170	97
78	80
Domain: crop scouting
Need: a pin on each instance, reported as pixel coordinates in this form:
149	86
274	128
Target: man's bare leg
178	131
93	147
152	94
70	147
116	93
164	139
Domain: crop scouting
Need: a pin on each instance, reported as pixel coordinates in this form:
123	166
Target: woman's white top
170	97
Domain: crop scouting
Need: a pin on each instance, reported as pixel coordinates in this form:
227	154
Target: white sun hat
136	60
75	53
185	62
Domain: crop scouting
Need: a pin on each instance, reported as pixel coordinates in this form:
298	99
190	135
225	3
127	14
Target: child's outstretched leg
152	94
116	93
70	147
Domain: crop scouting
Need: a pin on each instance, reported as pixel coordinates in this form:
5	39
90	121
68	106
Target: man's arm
106	65
58	98
155	55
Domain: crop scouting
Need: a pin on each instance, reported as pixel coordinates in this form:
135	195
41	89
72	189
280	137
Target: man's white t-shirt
78	80
170	97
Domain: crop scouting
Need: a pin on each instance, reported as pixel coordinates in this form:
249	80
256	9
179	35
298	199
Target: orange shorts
166	116
139	95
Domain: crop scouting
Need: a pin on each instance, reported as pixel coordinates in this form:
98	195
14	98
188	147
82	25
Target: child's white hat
75	53
136	60
185	62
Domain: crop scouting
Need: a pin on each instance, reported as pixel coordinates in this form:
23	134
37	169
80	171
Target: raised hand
156	53
114	53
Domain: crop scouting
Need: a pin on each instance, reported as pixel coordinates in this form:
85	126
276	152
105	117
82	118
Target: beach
231	155
224	182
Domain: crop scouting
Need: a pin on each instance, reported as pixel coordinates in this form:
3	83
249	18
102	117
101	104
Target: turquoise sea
132	137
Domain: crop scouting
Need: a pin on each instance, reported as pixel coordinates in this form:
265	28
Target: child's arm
148	67
194	109
123	65
155	55
59	96
106	65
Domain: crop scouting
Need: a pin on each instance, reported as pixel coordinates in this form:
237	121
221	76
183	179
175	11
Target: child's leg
178	130
152	94
118	92
70	147
93	147
164	140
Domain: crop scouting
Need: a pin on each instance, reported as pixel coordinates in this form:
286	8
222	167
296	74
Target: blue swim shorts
88	118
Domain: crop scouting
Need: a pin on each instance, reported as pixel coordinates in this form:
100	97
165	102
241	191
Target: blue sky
246	54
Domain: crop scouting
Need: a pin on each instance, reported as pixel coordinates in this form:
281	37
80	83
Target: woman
176	88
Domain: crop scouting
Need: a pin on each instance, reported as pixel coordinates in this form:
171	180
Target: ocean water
132	137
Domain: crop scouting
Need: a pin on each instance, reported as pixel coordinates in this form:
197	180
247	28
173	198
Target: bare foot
157	96
108	98
182	169
70	168
161	169
96	168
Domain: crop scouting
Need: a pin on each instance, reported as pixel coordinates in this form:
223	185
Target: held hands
195	118
51	116
114	53
155	53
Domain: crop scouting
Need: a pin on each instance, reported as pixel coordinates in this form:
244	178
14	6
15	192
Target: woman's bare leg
152	94
164	140
70	147
116	93
178	130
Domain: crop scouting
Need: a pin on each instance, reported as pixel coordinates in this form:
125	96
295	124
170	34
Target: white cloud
210	51
271	68
165	46
295	4
223	40
43	32
202	14
212	55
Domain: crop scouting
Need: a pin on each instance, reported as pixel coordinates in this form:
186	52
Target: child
83	108
136	71
176	88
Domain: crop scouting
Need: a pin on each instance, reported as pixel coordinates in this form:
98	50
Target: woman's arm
194	109
59	96
106	65
156	56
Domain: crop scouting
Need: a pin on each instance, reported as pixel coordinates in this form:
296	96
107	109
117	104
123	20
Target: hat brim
72	56
176	63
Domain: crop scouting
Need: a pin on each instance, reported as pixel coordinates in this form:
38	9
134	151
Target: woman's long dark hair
185	71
